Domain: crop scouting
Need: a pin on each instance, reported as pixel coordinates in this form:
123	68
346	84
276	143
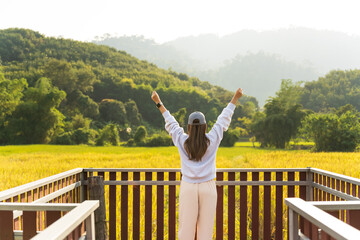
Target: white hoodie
204	170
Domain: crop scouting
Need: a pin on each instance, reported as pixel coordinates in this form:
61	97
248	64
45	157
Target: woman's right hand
238	94
155	97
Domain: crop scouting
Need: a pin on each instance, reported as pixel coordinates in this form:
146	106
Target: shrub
84	136
140	134
230	137
162	139
109	135
332	132
64	139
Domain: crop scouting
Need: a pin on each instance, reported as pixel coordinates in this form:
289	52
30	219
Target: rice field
23	164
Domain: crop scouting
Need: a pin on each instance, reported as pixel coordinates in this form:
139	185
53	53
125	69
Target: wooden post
97	192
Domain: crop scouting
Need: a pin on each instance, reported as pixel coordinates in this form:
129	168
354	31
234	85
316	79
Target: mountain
90	74
258	60
323	50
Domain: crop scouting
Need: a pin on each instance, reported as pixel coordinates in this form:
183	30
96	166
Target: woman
197	197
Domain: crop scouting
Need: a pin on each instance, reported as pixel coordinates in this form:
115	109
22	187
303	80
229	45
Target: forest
55	90
61	91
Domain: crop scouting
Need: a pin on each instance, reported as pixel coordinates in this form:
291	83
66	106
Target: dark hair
197	142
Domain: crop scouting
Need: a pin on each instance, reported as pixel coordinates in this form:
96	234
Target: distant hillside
246	58
259	74
323	50
91	74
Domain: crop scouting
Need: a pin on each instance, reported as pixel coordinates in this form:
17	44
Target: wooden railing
250	204
327	188
142	203
60	188
322	224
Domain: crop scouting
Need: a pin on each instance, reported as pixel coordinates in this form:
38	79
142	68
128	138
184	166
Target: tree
338	131
140	134
109	135
112	111
10	94
282	118
77	102
132	112
36	120
69	78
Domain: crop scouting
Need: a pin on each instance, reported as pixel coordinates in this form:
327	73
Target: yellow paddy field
22	164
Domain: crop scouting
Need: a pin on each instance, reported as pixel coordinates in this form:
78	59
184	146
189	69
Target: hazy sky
165	20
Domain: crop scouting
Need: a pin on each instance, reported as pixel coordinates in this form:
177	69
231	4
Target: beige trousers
197	207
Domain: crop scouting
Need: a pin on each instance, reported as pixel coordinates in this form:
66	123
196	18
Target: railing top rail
65	225
331	225
32	185
336	205
38	206
178	169
336	175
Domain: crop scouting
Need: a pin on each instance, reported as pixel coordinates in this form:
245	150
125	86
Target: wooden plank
220	208
29	224
51	217
255	208
267	208
302	195
342	189
354	218
347	192
231	207
314	232
85	191
148	207
172	207
316	191
136	208
291	193
160	208
124	207
324	184
243	207
320	192
328	184
6	225
16	220
279	208
112	208
333	187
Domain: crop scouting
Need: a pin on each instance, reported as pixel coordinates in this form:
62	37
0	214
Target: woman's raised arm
155	97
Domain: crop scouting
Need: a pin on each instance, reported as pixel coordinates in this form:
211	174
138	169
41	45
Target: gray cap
197	115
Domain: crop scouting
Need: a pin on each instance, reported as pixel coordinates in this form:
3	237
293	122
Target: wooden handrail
336	176
32	185
329	224
65	225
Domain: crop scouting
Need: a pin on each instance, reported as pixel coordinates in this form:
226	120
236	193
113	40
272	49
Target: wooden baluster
148	207
279	207
124	207
160	207
112	207
231	207
267	207
136	207
172	207
220	207
243	207
255	208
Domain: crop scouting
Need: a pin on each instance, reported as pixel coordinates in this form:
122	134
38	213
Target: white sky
165	20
